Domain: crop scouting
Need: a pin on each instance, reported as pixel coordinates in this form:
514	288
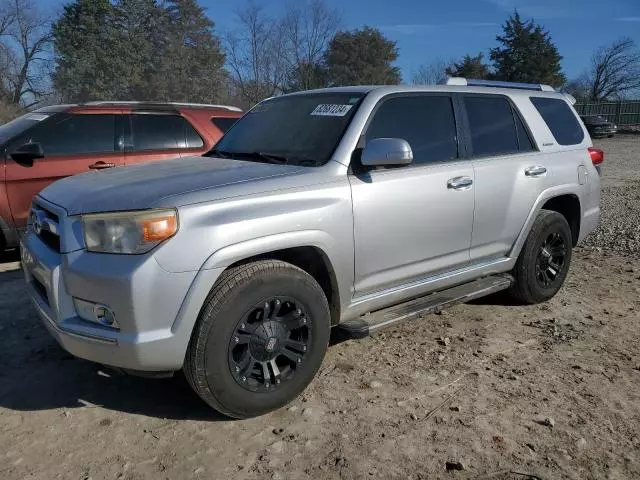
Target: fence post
618	113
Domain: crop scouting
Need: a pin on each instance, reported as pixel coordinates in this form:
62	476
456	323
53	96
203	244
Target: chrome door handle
100	165
459	183
535	171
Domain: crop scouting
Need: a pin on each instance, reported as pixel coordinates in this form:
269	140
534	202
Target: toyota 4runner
352	207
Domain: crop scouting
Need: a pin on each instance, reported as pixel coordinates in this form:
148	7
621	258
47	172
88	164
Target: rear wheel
544	261
260	338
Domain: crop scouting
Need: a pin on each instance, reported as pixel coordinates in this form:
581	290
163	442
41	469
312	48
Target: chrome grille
46	225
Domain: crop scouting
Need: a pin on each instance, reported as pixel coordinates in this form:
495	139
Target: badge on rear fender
331	110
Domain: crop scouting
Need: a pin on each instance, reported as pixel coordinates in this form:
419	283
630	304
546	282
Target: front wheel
544	261
260	338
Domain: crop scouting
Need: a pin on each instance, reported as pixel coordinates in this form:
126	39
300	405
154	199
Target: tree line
170	50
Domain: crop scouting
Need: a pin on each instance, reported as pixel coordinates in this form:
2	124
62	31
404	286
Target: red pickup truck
55	142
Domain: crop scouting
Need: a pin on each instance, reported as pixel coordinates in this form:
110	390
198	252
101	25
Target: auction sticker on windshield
331	110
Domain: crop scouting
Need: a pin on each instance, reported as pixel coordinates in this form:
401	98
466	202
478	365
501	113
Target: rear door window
162	132
491	124
560	119
426	122
74	134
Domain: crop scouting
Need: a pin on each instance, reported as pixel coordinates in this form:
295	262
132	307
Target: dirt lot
501	391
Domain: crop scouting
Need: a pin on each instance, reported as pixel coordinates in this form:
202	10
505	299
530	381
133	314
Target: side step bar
374	321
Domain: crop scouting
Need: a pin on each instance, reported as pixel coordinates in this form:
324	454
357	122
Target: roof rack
498	84
175	104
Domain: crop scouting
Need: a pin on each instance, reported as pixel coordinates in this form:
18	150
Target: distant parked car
55	142
599	127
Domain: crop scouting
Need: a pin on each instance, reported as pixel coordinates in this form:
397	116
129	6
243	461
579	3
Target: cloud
628	19
419	28
537	9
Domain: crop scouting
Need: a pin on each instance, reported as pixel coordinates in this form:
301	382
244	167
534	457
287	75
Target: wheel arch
314	251
567	205
563	199
314	261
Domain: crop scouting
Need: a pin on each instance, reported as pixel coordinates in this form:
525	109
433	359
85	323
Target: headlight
128	232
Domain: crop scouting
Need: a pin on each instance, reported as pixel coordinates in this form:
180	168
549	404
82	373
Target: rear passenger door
510	172
159	136
412	221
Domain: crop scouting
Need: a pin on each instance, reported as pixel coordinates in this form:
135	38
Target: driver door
413	221
72	143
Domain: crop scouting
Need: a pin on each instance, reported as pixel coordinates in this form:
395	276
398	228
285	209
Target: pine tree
527	54
362	57
470	67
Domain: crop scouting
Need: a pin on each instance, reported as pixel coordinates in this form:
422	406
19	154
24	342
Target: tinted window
560	119
160	132
193	138
305	128
18	125
493	130
426	122
74	134
224	124
524	140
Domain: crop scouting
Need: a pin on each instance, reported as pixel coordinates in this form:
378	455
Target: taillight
597	155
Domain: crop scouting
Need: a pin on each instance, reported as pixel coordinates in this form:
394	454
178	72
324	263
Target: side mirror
27	153
386	151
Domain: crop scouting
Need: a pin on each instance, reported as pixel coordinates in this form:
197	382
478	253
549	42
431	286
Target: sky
426	30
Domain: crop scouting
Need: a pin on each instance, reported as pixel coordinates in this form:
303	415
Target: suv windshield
298	129
20	124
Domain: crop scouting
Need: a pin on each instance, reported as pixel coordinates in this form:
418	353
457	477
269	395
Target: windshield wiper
252	156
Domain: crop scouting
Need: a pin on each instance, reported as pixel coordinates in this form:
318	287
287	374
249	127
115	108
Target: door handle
459	183
535	171
101	165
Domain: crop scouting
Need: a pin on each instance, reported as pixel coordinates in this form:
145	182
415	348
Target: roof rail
174	104
498	84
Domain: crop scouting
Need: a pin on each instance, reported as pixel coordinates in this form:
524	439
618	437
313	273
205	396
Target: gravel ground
619	230
488	390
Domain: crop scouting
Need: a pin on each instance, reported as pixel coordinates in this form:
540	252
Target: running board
374	321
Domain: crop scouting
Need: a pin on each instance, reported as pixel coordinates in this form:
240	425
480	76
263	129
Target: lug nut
244	379
236	339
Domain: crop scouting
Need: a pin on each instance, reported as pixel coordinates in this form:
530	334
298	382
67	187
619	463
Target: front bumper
155	309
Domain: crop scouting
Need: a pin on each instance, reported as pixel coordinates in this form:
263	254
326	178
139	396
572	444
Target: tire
533	272
254	312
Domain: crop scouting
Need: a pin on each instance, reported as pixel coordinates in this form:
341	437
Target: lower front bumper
156	309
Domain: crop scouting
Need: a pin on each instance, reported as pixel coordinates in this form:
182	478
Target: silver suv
350	207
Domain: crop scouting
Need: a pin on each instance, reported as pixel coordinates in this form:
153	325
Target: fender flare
544	197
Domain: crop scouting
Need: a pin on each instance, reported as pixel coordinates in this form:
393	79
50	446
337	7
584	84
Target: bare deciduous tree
615	70
308	27
432	73
256	55
25	38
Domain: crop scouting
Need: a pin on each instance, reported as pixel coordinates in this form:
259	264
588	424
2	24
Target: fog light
96	313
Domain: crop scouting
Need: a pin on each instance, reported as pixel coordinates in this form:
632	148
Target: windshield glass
300	129
19	125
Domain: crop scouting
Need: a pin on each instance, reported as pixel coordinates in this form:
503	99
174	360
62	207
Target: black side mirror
27	153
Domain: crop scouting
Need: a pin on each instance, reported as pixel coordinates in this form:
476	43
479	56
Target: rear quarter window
560	119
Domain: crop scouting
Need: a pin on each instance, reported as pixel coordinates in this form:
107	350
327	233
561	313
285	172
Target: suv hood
145	185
